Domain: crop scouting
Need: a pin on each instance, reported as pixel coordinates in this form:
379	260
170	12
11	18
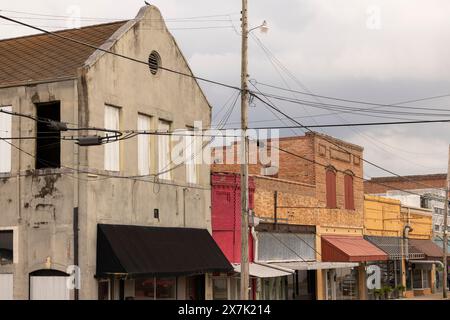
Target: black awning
135	251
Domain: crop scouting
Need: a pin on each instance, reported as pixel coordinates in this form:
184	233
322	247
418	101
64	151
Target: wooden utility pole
445	241
245	278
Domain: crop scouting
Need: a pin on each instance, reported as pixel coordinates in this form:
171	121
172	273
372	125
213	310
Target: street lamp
263	28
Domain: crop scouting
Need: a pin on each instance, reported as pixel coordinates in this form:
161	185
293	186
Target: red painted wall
226	214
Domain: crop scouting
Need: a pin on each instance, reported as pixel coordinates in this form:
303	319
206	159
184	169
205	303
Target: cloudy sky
381	51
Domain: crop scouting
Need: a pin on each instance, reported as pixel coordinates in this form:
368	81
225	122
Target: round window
154	62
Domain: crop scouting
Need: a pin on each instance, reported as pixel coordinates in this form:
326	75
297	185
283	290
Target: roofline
63	30
108	44
37	82
411	177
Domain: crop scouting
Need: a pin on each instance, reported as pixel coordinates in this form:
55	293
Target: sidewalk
435	296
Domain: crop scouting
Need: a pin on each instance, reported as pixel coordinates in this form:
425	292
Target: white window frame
164	151
15	231
144	148
5	145
112	149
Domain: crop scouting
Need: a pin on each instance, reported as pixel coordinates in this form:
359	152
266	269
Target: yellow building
386	223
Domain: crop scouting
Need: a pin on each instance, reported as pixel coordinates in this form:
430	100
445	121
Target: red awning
350	249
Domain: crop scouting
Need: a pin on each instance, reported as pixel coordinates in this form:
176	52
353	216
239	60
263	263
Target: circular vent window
154	62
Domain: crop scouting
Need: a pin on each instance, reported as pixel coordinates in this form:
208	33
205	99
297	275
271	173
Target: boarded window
5	145
112	149
164	150
191	153
331	189
6	287
48	142
6	247
144	145
349	194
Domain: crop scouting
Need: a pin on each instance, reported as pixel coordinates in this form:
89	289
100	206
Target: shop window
220	289
48	142
5	145
331	188
156	289
6	247
349	192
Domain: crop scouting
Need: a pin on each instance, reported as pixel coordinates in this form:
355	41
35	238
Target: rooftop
43	57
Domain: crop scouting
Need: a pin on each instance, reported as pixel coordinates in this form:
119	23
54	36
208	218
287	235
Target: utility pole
445	242
245	278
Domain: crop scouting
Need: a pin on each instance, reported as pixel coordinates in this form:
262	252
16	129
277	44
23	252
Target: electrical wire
59	36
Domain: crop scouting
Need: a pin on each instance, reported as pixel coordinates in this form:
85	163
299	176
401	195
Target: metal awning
315	265
263	271
138	252
428	248
350	249
393	247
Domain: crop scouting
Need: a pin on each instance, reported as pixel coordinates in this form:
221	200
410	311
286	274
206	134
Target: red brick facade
301	184
383	184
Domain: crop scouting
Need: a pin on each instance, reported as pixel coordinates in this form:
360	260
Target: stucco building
63	204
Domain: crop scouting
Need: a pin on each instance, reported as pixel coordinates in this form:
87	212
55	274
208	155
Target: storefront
419	258
348	283
276	246
149	263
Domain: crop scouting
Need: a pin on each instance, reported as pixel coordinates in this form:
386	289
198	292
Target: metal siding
286	247
5	147
49	288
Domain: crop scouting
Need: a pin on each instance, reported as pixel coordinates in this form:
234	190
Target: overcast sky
380	51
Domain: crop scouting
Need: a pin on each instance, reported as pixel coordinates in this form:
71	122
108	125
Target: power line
271	105
397	105
358	177
57	35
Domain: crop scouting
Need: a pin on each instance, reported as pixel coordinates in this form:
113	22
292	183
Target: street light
263	28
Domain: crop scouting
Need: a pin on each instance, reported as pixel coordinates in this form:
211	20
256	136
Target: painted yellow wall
387	217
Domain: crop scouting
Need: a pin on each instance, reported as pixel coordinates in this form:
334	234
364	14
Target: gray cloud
329	47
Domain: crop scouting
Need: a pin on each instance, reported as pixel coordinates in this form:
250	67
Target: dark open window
349	193
48	142
331	188
6	247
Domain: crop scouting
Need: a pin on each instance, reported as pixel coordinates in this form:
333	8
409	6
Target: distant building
419	191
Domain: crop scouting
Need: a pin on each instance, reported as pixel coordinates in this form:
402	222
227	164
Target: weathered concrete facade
39	204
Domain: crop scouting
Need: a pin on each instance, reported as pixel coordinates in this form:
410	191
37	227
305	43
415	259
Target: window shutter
349	194
331	189
164	151
5	147
144	145
112	149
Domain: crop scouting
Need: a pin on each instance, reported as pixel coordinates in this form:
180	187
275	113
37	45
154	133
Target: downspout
76	199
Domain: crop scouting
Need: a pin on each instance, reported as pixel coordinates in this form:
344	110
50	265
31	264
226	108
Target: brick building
317	190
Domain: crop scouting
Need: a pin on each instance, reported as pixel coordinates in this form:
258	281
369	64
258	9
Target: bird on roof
146	3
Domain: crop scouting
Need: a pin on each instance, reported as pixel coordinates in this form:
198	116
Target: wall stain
49	188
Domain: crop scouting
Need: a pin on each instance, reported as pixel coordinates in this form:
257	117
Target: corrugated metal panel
393	247
112	150
5	147
49	288
286	246
6	286
144	145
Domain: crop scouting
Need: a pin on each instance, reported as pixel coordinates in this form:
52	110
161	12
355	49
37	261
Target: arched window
349	193
331	188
